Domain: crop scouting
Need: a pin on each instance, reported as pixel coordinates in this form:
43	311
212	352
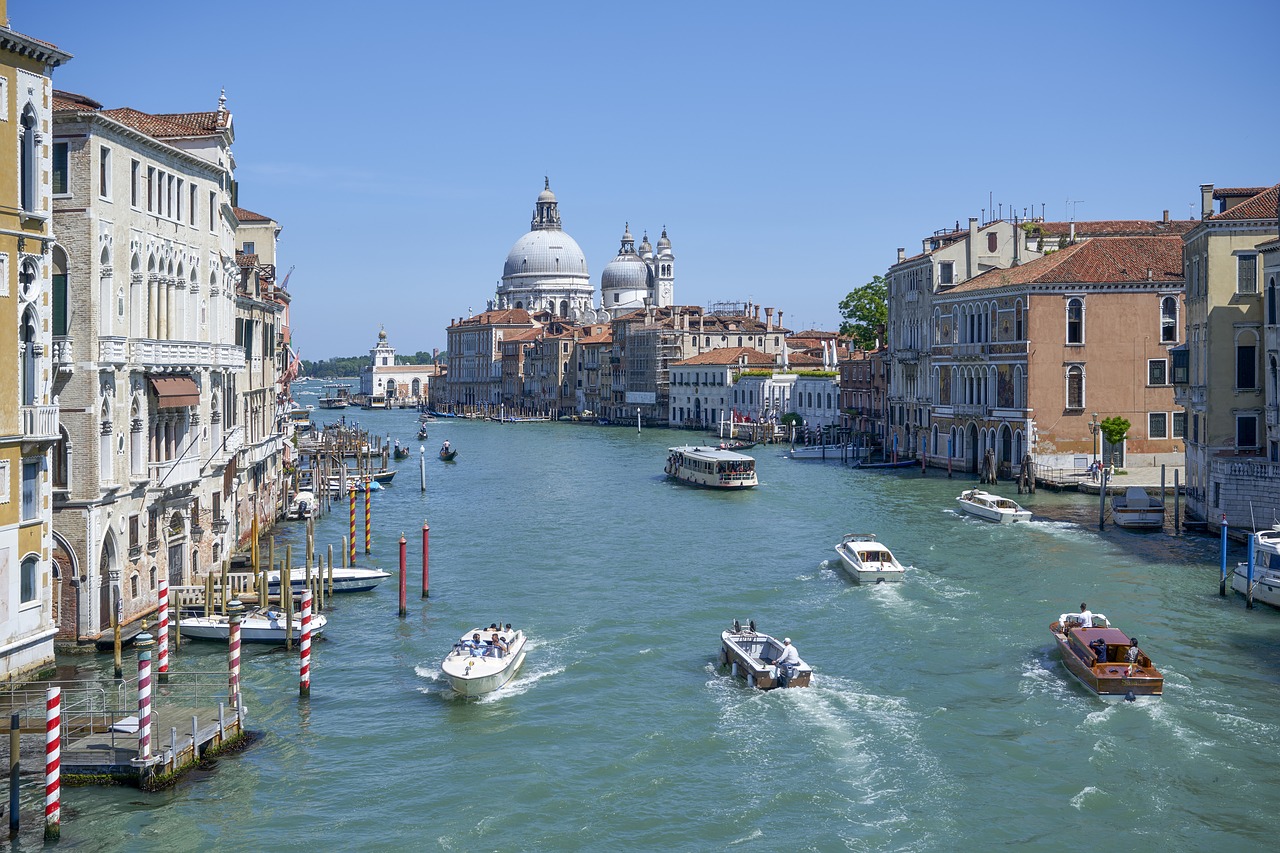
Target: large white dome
548	253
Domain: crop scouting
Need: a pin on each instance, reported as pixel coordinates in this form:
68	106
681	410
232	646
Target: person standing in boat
1085	616
1132	654
787	662
444	448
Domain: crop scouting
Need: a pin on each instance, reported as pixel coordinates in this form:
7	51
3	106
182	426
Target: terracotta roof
1117	228
812	335
249	216
246	260
1098	260
1238	192
71	101
728	356
1261	206
501	317
802	359
521	335
168	125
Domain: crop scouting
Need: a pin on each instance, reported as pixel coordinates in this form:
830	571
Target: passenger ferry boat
711	467
335	397
1266	569
1096	656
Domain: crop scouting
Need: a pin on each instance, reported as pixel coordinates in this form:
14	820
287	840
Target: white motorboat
866	560
711	467
752	655
819	451
1137	510
302	506
1266	568
476	665
991	507
256	626
350	579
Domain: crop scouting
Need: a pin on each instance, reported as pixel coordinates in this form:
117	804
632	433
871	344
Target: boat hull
861	573
1111	679
344	580
711	468
475	672
995	516
254	629
1137	519
1266	585
749	655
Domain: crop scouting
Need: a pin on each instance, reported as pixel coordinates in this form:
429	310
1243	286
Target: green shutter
60	304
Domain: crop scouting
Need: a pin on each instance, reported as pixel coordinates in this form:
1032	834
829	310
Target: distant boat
866	560
818	451
711	468
991	507
1266	569
400	451
345	579
302	506
1137	510
447	455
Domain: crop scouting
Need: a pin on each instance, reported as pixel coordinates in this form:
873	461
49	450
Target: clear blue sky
788	150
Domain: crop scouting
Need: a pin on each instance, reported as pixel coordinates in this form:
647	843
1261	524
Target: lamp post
1093	430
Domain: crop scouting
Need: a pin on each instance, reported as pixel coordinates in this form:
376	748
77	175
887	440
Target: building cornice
122	129
22	45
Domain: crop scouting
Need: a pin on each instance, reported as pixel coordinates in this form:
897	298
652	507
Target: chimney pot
902	254
1206	201
1166	216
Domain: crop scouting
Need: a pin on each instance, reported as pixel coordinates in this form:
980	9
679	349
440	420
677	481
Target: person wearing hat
787	662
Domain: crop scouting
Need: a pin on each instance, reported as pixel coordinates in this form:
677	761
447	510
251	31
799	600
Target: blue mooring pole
1222	587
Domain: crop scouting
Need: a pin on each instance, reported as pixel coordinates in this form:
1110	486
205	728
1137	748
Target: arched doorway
1005	450
177	548
391	389
973	446
67	586
108	566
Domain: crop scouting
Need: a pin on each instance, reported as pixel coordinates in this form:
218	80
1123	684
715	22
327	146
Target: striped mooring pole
53	764
426	549
162	644
404	577
351	540
368	517
304	670
143	642
234	612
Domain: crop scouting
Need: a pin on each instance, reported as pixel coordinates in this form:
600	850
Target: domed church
547	271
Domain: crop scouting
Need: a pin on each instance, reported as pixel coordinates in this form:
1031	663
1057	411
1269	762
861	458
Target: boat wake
1077	801
522	683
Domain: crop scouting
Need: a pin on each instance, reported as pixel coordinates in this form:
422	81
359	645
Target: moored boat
1266	569
256	626
477	665
302	506
991	507
1137	510
345	579
752	655
711	467
819	451
866	560
1099	657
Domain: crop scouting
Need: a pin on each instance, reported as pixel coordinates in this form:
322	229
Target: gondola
447	455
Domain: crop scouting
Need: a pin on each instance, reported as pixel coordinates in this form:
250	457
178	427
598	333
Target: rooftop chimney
970	247
902	254
1166	216
768	320
1206	201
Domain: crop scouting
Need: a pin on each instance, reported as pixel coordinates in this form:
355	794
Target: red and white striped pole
304	683
143	642
53	764
351	541
162	654
404	577
234	611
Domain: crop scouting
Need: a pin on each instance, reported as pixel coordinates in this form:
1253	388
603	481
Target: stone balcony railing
40	423
112	350
149	353
178	472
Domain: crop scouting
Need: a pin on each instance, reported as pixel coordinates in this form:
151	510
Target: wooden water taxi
711	467
752	655
1099	657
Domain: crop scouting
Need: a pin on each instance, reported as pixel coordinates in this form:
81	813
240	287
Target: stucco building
33	308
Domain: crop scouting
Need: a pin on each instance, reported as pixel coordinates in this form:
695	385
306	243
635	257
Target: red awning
176	391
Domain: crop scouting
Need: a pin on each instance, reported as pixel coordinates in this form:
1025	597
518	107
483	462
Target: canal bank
940	716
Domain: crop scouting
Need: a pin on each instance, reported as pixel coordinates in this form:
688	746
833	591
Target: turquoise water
941	717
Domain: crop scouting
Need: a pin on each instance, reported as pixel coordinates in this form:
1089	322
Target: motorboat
819	451
256	626
1137	510
1266	569
866	560
476	665
711	467
991	507
345	579
302	506
1098	656
751	655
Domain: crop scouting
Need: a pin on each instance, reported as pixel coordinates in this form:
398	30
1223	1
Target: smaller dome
625	272
382	334
663	242
546	195
644	244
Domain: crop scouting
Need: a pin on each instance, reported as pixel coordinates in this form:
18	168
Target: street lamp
1093	430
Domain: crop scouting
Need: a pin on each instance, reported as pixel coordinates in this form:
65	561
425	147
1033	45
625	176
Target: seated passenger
498	643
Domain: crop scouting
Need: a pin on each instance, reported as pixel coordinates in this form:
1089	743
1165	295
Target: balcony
112	350
178	472
1273	416
40	423
63	361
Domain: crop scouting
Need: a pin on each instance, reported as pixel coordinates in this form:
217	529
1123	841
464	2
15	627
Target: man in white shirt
787	661
1085	616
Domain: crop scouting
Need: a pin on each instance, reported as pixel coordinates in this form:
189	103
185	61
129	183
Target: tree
866	312
1114	429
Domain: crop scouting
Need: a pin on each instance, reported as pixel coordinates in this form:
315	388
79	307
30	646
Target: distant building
383	378
704	388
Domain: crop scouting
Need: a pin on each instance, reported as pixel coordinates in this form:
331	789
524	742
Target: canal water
941	717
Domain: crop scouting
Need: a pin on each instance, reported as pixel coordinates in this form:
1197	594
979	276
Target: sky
788	149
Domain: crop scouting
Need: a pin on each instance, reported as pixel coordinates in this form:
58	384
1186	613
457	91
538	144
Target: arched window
59	291
29	373
1018	327
993	242
1273	311
30	578
1169	320
29	160
1075	321
1075	387
60	475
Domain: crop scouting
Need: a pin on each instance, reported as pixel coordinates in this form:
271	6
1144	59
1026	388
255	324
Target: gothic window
29	373
1075	321
30	567
29	161
1075	387
1018	330
1169	320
